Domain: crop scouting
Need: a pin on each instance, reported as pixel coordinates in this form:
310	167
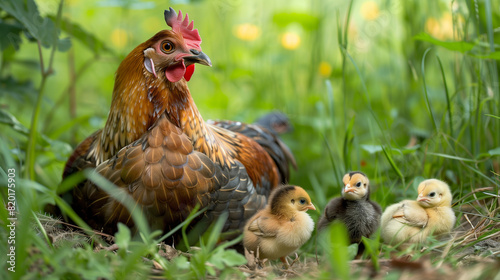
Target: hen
157	148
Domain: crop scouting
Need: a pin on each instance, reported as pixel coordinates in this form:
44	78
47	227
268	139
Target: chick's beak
197	57
348	189
310	206
422	198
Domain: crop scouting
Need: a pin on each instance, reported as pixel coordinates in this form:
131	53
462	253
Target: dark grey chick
355	209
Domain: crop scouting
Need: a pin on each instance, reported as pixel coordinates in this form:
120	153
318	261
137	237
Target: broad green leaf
17	89
11	35
452	46
26	12
495	152
222	258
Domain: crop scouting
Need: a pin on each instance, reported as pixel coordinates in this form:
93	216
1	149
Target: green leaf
308	21
493	116
26	12
222	258
11	35
352	250
494	152
64	44
10	120
372	149
491	55
17	89
452	46
181	262
452	157
335	244
122	237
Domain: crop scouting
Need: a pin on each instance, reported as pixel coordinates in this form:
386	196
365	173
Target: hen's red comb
190	35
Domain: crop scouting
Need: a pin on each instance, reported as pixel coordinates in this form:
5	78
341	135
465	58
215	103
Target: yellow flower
290	40
432	26
370	10
247	32
119	38
446	23
325	69
442	28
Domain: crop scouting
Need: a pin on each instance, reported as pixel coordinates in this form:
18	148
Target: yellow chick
413	221
282	227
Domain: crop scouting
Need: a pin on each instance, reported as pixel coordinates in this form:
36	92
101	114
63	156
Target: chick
413	221
282	227
360	215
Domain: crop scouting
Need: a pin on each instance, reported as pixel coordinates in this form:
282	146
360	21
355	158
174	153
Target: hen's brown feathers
167	178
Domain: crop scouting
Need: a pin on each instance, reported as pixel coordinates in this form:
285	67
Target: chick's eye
432	194
358	184
167	47
302	201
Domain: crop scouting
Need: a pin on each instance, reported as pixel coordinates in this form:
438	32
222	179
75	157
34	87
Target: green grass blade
448	100
426	94
124	198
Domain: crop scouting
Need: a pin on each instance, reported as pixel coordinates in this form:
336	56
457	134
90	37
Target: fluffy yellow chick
282	227
413	221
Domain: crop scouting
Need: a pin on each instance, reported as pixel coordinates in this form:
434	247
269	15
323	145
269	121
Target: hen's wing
166	179
272	144
80	158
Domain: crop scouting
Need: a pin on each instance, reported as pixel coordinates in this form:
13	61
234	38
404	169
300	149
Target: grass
388	88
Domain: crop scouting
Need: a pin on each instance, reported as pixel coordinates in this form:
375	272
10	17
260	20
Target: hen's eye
302	201
432	194
167	47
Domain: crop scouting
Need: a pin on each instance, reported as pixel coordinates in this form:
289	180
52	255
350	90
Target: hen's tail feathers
265	131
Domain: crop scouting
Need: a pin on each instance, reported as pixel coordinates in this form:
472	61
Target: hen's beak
197	57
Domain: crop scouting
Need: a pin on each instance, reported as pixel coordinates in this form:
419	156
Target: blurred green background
401	90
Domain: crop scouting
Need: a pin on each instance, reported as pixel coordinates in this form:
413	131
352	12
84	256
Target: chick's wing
411	213
264	226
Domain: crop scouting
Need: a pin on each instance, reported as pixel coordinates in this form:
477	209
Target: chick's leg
285	262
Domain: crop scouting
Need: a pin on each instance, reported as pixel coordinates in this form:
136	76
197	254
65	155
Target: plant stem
30	150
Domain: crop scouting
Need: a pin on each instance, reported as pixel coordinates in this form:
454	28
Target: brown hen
156	147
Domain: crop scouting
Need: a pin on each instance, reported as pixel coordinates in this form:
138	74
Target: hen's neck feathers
138	101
